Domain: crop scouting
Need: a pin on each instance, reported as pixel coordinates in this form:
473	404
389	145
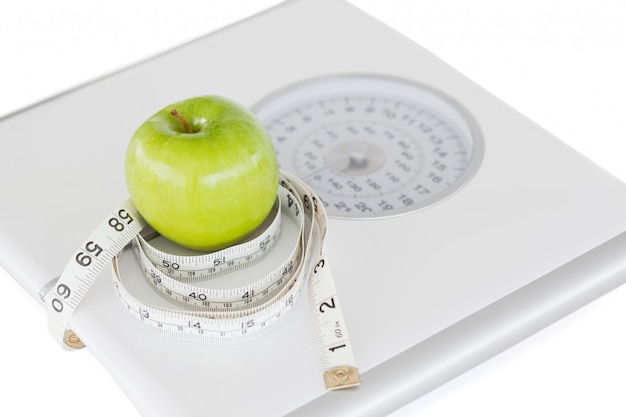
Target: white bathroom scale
457	227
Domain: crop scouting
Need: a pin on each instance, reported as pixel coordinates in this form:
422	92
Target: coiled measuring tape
196	310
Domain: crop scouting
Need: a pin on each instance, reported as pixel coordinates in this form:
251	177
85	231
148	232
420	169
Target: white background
561	63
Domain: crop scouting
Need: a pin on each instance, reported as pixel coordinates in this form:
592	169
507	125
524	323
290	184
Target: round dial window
372	146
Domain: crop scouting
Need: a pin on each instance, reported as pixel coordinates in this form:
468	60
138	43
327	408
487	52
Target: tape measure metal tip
341	377
72	340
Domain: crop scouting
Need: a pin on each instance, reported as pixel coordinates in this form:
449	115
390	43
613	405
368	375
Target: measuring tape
199	312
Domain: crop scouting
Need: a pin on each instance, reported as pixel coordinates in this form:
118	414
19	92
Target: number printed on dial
372	146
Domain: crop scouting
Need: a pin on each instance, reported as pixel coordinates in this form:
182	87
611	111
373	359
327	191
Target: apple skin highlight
205	189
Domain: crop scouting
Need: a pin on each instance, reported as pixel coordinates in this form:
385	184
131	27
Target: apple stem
182	120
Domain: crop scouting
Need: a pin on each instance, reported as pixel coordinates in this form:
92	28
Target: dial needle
357	155
317	171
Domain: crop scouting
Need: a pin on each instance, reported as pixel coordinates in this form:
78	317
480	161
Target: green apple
202	172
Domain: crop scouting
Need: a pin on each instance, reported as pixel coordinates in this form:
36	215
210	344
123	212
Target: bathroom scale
456	227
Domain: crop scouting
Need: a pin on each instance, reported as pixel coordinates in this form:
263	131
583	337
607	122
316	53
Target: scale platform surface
535	231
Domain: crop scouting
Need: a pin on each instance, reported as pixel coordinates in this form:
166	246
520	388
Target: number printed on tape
85	266
217	316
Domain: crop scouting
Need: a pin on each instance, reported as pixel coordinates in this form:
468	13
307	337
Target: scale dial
372	146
